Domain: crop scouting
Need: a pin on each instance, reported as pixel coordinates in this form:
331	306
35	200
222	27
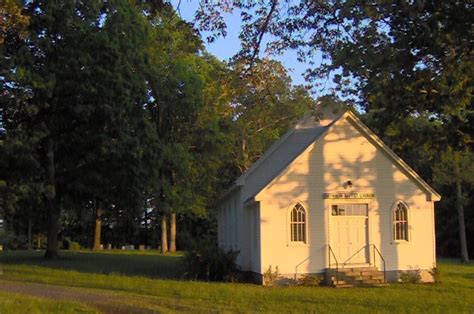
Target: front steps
355	276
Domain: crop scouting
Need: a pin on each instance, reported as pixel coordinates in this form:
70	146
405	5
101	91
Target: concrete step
340	282
372	272
359	277
365	268
370	281
356	277
377	277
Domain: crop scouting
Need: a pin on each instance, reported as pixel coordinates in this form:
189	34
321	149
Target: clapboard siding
344	154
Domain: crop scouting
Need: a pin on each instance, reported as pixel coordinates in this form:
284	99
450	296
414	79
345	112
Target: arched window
400	222
298	224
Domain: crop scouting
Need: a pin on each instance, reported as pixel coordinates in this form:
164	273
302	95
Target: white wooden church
330	195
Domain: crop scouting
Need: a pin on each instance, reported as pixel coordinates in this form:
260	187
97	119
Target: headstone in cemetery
141	247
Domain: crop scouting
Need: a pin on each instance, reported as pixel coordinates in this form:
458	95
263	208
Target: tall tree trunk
164	236
98	228
173	232
30	246
146	223
53	206
460	209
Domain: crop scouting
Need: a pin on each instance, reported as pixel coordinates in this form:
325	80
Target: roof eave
431	193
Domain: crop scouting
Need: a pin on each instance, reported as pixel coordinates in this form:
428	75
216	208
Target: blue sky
225	47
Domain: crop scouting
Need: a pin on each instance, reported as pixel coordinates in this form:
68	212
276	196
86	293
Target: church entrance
349	233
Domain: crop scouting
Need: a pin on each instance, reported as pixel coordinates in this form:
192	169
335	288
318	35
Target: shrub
12	241
411	276
74	246
270	277
206	261
436	274
309	280
68	244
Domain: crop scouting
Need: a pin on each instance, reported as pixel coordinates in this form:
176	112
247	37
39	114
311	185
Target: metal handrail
330	251
298	265
375	250
383	260
357	252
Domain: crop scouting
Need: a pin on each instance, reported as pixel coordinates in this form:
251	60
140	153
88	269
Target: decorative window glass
298	224
400	222
349	210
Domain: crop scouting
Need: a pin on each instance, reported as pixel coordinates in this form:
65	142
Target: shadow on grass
108	262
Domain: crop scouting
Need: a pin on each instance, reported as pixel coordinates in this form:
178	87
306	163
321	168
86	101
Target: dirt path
104	301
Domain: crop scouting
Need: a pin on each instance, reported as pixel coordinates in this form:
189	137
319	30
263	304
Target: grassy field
17	303
134	277
147	263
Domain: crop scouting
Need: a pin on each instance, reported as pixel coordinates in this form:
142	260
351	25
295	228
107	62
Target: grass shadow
106	262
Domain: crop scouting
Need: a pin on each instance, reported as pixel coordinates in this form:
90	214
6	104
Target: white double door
349	239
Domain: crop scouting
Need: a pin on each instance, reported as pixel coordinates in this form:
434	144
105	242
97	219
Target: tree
13	23
264	105
190	115
395	60
78	113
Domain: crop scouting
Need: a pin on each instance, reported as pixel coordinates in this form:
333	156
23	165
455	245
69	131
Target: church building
331	198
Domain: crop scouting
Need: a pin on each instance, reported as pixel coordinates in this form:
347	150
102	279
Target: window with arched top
298	224
400	222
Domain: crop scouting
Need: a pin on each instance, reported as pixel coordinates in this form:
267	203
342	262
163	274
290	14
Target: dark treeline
119	128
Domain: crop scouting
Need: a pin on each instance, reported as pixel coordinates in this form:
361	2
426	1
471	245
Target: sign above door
348	195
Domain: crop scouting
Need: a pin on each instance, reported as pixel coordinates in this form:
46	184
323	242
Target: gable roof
306	132
281	153
435	196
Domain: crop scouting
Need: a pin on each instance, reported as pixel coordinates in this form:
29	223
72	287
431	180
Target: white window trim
392	222
288	225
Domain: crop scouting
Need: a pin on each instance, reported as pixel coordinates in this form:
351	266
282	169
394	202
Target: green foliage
74	246
411	276
443	170
435	272
74	119
11	241
270	276
310	280
408	65
264	106
211	263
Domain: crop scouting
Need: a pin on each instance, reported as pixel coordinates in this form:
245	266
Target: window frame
290	222
394	222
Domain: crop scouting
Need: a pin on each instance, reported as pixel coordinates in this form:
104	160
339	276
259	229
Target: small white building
330	194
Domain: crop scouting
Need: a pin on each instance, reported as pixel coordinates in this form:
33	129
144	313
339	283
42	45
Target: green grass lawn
137	263
134	276
16	303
